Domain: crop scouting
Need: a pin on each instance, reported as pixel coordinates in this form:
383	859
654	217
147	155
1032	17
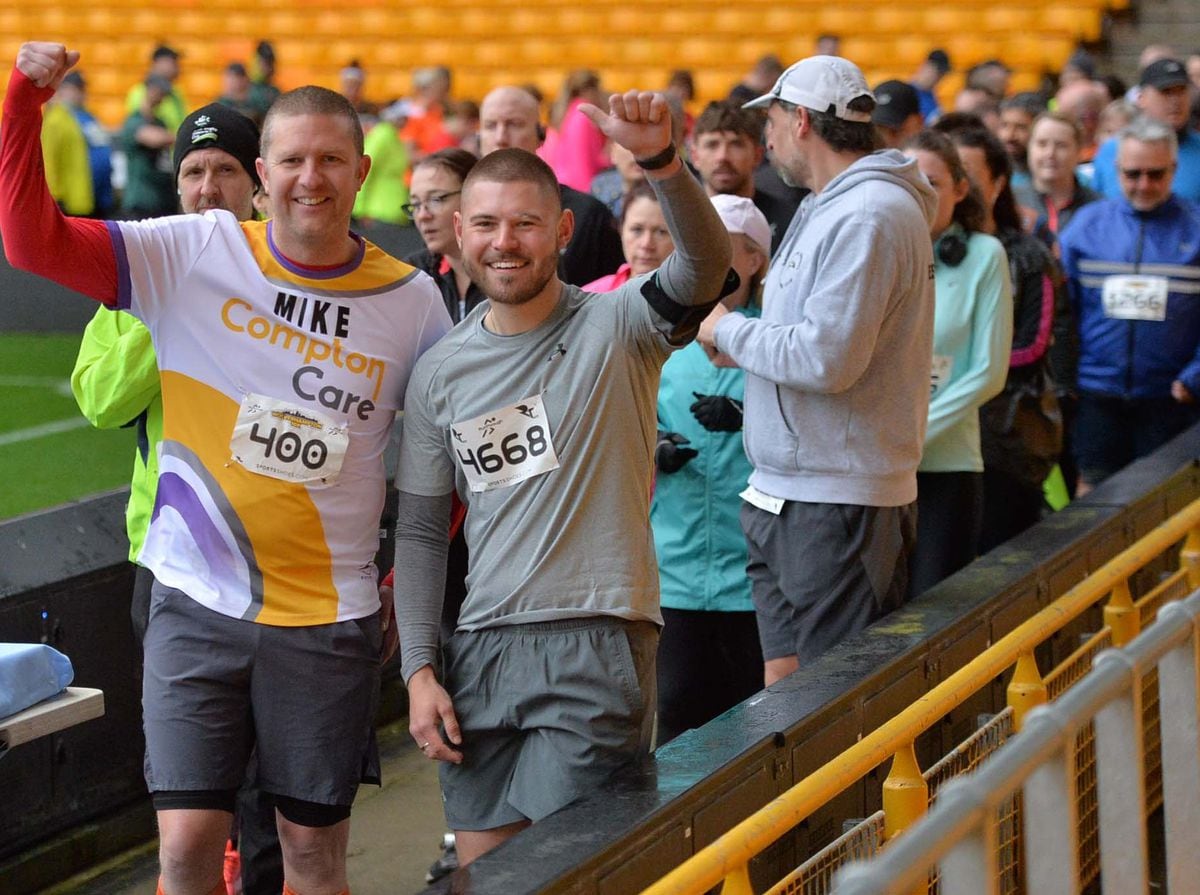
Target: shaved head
508	119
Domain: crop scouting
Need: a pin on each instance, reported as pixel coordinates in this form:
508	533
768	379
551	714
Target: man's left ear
364	167
566	228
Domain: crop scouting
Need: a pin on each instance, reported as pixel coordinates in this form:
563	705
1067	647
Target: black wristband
658	160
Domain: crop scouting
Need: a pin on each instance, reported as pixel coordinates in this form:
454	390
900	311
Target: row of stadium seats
935	23
631	45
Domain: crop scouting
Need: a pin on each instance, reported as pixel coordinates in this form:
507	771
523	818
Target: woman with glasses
435	194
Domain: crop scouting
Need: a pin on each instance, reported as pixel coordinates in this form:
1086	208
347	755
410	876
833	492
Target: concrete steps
1173	22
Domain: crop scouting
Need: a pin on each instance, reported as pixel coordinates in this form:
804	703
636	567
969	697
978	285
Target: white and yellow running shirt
280	385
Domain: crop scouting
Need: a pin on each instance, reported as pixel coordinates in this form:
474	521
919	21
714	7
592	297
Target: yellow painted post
1026	689
738	882
905	793
1121	616
1189	557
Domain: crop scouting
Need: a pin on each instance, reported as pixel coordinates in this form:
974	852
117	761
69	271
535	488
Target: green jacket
115	382
171	111
385	189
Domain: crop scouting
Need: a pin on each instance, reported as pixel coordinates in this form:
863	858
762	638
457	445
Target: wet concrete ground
395	833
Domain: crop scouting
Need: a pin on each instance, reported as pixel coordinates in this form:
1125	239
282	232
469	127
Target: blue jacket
1135	358
695	512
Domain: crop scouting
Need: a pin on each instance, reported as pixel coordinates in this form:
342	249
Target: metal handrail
728	857
965	809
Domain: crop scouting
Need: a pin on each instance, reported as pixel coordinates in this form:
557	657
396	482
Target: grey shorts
822	571
215	686
547	712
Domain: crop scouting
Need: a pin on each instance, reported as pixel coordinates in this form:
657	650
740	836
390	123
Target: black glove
670	455
717	413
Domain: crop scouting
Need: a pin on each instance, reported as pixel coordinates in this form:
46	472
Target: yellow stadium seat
940	22
528	21
735	20
1084	22
422	21
893	20
1005	20
837	19
480	22
784	20
585	21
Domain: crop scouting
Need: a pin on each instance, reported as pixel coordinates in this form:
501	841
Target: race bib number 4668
506	446
283	441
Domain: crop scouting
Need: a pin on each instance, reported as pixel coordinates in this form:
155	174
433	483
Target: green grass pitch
49	454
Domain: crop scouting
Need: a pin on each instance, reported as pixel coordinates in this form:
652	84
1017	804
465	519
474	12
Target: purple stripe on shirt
176	493
124	287
308	272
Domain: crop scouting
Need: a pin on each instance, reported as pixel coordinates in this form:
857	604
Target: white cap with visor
818	83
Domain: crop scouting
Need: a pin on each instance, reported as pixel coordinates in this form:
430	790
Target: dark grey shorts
822	571
215	686
547	711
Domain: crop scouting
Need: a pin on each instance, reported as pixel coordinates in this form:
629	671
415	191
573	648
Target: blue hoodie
837	367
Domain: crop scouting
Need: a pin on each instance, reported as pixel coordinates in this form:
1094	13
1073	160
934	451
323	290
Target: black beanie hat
217	126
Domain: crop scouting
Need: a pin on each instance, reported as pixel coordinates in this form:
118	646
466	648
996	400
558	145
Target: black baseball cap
217	126
162	51
895	101
75	79
1163	74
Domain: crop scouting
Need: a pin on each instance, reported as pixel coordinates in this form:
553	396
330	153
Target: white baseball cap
817	83
741	215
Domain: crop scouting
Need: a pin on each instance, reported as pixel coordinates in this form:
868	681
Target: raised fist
45	63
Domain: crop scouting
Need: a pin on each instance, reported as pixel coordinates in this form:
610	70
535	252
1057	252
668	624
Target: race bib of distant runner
284	441
1133	297
939	372
506	446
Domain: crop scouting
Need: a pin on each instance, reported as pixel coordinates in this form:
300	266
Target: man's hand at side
387	619
430	709
44	63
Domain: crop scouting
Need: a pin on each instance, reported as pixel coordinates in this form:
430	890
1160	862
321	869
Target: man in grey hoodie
837	371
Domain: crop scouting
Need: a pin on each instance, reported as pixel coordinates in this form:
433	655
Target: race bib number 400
506	446
283	441
1135	298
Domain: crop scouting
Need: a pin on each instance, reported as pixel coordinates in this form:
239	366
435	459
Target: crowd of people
686	399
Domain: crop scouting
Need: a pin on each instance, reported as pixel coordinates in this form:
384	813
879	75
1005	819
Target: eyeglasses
434	203
1154	175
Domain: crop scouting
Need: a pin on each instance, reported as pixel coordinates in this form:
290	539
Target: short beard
480	274
796	179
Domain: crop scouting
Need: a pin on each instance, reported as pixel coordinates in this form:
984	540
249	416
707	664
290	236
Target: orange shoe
233	869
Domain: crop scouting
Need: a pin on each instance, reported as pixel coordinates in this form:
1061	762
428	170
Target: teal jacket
116	384
695	511
972	337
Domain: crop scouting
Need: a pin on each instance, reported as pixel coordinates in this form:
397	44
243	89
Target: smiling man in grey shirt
539	410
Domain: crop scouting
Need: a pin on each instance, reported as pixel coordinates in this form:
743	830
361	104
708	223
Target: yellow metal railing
905	793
